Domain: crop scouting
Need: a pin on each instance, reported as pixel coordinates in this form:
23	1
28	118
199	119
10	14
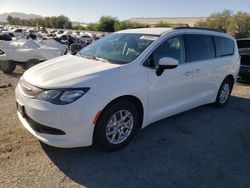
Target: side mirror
2	53
166	63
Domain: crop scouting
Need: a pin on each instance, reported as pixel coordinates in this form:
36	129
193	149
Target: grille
43	128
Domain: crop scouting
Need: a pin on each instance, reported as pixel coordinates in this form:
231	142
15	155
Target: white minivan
124	82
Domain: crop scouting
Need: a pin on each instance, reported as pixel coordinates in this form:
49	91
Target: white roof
150	31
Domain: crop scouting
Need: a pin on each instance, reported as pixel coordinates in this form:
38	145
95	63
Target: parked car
65	39
5	37
244	50
60	32
96	37
68	32
123	83
86	39
77	33
16	32
32	34
28	53
3	29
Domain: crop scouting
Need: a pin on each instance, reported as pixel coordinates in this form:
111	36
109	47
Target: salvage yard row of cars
27	47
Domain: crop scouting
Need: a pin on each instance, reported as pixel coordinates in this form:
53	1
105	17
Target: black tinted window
173	47
224	46
243	43
18	30
201	47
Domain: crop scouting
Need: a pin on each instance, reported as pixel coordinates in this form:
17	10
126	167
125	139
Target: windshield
118	48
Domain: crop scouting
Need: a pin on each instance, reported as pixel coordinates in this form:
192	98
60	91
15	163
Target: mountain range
3	17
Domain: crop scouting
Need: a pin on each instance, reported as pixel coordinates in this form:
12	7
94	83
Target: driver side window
173	47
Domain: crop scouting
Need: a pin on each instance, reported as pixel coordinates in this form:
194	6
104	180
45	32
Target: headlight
62	96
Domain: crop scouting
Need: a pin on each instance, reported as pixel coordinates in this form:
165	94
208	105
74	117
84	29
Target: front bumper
75	119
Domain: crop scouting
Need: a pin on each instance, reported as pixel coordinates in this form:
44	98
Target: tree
127	25
92	27
162	24
60	22
238	25
78	27
10	20
107	23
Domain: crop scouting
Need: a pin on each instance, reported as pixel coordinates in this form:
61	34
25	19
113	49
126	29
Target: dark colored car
244	50
5	37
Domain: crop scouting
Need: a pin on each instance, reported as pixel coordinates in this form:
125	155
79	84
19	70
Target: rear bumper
244	71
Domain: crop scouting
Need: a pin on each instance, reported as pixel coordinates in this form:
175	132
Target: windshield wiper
88	57
102	59
97	58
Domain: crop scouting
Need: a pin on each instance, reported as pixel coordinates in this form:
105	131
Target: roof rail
201	28
168	25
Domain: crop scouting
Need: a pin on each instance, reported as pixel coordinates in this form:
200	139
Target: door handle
198	70
188	73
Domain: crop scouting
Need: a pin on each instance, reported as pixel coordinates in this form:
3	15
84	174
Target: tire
30	63
224	93
7	66
111	135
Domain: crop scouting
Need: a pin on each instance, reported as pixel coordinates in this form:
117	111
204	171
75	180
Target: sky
92	10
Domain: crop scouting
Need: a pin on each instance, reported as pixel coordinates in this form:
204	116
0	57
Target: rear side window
201	47
224	46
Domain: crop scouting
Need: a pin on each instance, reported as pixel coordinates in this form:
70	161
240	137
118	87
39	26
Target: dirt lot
204	147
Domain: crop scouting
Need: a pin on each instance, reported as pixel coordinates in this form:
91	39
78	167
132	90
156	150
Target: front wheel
117	125
7	66
224	93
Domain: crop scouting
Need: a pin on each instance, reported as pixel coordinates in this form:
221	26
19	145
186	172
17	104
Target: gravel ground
204	147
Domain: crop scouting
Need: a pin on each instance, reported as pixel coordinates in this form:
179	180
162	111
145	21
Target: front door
170	92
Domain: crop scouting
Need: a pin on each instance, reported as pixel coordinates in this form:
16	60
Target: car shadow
16	74
203	147
244	82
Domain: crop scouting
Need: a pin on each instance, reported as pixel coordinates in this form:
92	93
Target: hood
67	71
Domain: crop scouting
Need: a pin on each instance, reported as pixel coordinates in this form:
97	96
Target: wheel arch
131	98
231	79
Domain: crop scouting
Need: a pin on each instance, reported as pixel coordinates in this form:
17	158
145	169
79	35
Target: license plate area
20	108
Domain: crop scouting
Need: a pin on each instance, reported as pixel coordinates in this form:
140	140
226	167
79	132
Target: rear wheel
224	93
117	125
7	66
30	63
